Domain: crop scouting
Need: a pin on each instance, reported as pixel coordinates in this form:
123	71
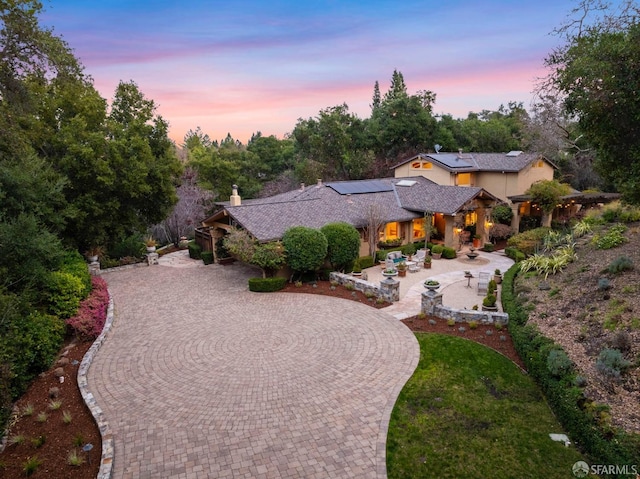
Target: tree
334	141
306	248
343	244
596	75
403	124
547	194
269	257
376	99
193	204
374	224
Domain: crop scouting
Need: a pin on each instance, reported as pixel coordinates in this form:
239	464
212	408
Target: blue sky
242	66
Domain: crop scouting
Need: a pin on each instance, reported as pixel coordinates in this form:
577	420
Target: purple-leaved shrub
92	313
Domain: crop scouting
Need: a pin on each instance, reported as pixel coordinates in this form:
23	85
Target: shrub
529	241
488	247
604	284
92	313
558	363
194	251
473	324
489	300
343	244
500	231
207	257
612	238
514	253
269	257
611	363
266	285
64	293
620	264
502	214
449	253
240	244
74	263
306	248
409	249
365	262
437	249
130	246
33	344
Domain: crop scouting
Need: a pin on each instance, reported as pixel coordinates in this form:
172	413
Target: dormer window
421	165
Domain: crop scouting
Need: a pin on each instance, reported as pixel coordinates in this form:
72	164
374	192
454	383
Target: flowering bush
92	313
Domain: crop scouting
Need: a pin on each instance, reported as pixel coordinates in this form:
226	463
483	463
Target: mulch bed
59	438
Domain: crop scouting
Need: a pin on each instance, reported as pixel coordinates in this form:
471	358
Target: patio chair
483	282
414	267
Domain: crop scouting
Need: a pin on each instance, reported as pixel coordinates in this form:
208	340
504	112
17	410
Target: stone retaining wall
389	289
432	306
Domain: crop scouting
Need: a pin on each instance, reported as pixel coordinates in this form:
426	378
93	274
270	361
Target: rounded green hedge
266	285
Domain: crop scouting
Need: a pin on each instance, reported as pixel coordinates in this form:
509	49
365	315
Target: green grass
470	412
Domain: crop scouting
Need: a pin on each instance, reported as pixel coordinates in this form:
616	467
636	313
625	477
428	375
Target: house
503	175
399	203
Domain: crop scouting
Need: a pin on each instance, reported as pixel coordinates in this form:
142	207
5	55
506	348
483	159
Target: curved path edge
106	462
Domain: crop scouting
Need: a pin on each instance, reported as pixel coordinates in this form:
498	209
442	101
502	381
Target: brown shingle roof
268	218
480	161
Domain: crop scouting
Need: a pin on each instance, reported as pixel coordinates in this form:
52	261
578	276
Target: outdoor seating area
459	290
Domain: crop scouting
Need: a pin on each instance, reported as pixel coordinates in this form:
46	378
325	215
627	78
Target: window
418	228
424	165
391	230
463	179
538	164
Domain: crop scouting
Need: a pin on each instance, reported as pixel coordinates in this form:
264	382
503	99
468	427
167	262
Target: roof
511	162
315	206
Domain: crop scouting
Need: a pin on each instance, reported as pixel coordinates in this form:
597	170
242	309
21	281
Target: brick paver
199	378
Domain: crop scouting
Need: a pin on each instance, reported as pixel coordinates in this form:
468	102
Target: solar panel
358	187
452	160
514	153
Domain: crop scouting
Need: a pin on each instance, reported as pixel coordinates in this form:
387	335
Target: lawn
470	412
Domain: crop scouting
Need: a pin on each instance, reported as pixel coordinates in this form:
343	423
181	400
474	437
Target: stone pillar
390	290
448	231
152	258
515	220
480	227
430	299
94	268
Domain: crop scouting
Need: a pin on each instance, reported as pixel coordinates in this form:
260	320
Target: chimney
301	186
319	183
235	199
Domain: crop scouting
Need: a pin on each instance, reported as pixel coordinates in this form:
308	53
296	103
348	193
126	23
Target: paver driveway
199	378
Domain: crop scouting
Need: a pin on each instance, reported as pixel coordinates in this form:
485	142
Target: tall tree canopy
596	75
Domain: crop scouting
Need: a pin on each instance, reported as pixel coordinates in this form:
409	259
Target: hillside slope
586	308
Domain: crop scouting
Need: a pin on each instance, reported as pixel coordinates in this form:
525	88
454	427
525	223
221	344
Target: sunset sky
244	66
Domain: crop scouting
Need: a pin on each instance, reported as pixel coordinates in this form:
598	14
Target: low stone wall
432	306
389	289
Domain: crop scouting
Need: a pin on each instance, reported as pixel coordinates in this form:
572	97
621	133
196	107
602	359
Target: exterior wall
530	175
435	174
499	184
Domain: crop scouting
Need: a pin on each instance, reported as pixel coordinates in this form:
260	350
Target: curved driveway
199	378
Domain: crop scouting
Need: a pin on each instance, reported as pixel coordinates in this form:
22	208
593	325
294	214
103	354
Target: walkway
200	378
